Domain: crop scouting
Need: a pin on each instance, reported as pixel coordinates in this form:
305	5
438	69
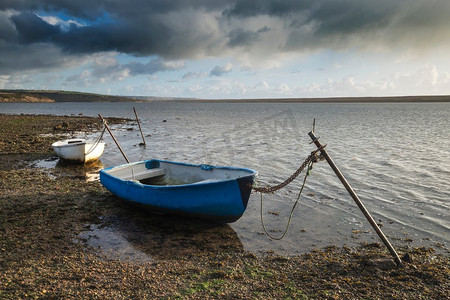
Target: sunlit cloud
113	43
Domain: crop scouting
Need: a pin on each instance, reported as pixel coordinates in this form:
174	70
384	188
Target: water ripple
396	157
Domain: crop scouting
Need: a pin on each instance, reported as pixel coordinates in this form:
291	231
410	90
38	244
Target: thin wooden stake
112	135
352	193
139	123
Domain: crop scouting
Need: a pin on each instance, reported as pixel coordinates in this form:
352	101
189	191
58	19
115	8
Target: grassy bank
44	210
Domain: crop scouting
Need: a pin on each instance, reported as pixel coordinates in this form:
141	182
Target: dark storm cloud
31	28
252	8
34	58
7	29
183	29
241	37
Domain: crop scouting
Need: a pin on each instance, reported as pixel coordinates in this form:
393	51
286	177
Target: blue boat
205	191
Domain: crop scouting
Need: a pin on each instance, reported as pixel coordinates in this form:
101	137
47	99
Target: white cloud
262	86
283	89
221	70
426	80
217	89
83	79
3	81
65	25
15	81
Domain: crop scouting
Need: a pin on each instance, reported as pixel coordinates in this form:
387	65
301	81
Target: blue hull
223	199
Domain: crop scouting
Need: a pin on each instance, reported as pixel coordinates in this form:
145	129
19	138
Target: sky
227	49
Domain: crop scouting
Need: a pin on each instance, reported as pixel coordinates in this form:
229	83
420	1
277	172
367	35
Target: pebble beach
44	253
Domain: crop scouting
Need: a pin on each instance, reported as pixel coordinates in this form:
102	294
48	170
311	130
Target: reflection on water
110	243
395	156
142	236
48	163
55	165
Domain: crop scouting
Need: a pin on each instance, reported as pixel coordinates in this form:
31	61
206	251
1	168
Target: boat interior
166	173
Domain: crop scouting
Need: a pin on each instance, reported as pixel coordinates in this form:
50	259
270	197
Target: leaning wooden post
139	123
112	135
352	193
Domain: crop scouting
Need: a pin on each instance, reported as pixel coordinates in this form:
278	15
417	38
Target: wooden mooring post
112	135
139	124
355	197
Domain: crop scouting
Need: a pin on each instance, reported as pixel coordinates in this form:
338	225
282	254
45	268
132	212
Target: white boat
78	150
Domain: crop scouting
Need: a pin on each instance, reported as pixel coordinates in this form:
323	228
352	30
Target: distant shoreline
396	99
37	96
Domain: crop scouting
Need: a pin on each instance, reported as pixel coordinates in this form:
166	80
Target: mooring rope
309	162
313	157
96	142
292	210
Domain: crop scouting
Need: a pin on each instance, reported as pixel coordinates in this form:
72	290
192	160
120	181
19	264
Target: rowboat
78	150
204	191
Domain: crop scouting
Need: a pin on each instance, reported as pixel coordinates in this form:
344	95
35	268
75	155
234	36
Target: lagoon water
395	155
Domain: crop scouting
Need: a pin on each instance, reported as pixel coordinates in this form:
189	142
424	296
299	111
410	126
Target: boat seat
207	180
144	174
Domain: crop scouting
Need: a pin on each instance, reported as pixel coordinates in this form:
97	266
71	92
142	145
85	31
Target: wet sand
61	234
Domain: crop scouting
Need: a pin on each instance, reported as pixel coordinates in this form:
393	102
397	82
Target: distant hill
22	97
67	96
70	96
58	96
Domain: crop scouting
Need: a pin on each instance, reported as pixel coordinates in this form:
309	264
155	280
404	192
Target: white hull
78	150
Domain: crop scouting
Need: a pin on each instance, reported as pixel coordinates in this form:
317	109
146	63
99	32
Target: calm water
395	156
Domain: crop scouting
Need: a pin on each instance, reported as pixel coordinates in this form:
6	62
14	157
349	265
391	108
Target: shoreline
36	96
393	99
44	211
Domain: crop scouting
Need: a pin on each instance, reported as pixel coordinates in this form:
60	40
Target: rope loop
314	157
310	165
